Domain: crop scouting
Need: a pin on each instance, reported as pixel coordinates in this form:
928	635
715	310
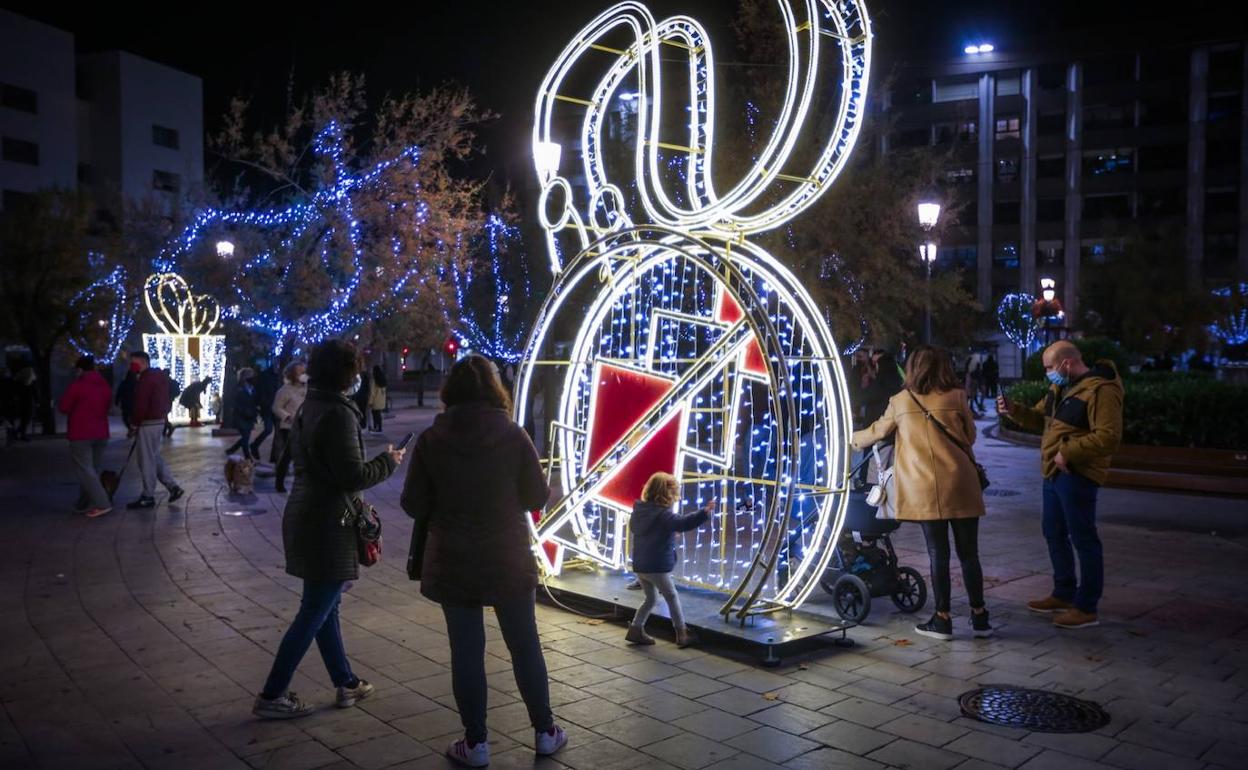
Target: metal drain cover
1037	710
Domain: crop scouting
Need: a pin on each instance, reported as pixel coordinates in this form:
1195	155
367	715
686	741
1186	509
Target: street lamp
225	249
1048	289
1049	307
929	215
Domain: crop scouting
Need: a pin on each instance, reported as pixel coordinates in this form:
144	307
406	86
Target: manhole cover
245	512
996	492
1037	710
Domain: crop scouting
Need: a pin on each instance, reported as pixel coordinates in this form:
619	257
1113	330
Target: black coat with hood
654	529
472	480
328	451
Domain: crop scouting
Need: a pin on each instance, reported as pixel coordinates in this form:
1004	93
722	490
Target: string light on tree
120	305
501	337
1232	327
696	352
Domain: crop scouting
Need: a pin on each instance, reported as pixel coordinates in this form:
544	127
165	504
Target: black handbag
979	469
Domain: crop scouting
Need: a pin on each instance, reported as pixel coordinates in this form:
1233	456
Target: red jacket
86	401
151	398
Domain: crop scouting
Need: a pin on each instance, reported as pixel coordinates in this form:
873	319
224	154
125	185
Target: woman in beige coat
935	481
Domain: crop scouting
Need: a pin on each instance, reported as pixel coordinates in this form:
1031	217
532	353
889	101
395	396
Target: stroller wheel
852	598
911	593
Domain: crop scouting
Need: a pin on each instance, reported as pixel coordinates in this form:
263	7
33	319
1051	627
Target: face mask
1057	378
303	378
355	386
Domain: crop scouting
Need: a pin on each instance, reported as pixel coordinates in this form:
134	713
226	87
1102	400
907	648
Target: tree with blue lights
342	217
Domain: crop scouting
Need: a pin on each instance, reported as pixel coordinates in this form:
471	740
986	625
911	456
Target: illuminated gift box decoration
186	348
695	351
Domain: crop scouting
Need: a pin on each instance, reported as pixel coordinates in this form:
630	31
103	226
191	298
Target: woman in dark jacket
473	478
330	471
246	411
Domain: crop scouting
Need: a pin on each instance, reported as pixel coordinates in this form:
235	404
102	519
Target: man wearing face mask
1081	417
151	408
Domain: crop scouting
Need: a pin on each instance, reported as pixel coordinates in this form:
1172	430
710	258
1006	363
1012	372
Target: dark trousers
966	543
268	428
377	420
466	628
281	443
243	443
317	620
1070	520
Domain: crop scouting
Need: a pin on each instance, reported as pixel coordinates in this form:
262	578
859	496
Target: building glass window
1221	202
1052	76
1050	209
1106	70
1223	107
165	181
18	98
1051	122
958	256
955	89
1009	84
1005	254
163	136
1051	166
1105	162
1163	111
1007	128
1005	212
1107	207
1099	117
1226	68
960	175
1007	169
19	151
1163	203
1223	151
1162	157
1049	253
914	137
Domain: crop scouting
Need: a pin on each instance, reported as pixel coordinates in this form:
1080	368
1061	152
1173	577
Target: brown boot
1075	618
637	635
1048	604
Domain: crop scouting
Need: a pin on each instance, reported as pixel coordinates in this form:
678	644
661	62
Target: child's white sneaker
471	756
549	741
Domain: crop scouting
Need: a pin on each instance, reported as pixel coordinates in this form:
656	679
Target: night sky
501	50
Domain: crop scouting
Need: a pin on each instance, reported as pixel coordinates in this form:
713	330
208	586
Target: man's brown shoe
1049	604
1075	618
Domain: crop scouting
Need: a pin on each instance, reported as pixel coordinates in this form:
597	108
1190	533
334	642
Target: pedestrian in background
246	410
85	402
268	383
285	406
377	397
151	409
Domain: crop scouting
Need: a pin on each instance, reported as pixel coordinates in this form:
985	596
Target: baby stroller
864	564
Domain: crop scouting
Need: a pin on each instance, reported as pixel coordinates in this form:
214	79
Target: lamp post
929	215
1049	307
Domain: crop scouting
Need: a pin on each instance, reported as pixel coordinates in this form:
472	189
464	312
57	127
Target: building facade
112	122
1058	158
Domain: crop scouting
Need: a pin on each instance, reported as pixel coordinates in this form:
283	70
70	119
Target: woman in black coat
473	479
330	471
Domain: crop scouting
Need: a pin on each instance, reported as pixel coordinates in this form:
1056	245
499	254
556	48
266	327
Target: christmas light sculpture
1232	326
1017	322
186	348
119	317
693	350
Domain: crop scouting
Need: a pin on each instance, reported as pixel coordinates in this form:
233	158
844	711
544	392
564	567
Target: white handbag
882	495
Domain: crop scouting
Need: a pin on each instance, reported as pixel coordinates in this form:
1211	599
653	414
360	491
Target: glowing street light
225	249
980	48
929	213
1048	289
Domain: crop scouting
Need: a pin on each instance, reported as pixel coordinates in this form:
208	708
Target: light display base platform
771	635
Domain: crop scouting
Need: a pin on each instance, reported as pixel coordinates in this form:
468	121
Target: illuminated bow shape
175	309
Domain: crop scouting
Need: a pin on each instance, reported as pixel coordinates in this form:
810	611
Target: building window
12	200
165	137
1165	64
1007	169
1099	251
1005	212
1050	253
1052	77
1050	209
86	174
916	92
1107	207
914	137
18	98
1100	117
1162	203
1226	68
1051	166
958	256
1109	69
1162	157
1105	162
165	181
960	131
1223	107
1223	151
1051	122
960	175
19	151
1007	128
1008	84
1220	247
955	89
1006	255
1221	202
1163	112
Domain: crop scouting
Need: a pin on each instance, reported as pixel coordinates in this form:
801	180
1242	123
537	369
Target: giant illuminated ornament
670	341
186	348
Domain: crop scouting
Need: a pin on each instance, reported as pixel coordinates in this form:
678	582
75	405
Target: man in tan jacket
1081	417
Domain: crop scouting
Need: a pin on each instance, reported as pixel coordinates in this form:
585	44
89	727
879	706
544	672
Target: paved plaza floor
139	640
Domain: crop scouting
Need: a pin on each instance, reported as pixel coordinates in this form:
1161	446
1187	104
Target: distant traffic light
451	347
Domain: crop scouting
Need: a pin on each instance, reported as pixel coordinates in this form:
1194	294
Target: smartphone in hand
402	445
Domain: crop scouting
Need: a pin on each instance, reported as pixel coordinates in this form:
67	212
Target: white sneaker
477	756
550	741
347	696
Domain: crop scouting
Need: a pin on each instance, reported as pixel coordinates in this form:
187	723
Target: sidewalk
139	639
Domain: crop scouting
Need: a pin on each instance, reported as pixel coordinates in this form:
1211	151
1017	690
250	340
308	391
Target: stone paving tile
772	744
990	748
1176	742
909	755
792	718
602	754
1055	760
734	700
666	706
831	759
809	696
300	756
758	681
1086	745
715	724
1129	755
689	752
648	671
850	737
862	712
593	711
637	730
933	732
385	751
691	685
744	762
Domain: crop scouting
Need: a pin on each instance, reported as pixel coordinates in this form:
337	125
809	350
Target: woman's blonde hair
661	489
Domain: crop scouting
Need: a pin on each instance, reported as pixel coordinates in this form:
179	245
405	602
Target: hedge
1171	409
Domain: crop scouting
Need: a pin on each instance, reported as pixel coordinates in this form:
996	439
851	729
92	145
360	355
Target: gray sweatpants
87	458
151	464
654	583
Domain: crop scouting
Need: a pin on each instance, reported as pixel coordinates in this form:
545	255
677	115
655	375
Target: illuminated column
985	179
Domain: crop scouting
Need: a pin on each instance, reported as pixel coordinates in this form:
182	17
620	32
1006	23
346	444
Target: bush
1171	409
1093	349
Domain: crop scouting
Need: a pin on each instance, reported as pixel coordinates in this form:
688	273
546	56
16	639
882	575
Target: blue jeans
1070	519
317	619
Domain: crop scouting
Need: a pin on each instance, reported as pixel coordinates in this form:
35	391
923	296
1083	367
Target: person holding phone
473	478
330	471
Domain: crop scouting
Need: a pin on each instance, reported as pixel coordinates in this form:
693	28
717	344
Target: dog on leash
240	473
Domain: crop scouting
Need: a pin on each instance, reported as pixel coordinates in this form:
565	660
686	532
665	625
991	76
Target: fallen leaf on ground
592	621
771	696
902	642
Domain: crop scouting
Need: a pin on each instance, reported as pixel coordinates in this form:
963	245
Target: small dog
239	474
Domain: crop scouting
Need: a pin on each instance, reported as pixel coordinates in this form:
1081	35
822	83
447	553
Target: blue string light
1232	328
502	337
1016	321
120	316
